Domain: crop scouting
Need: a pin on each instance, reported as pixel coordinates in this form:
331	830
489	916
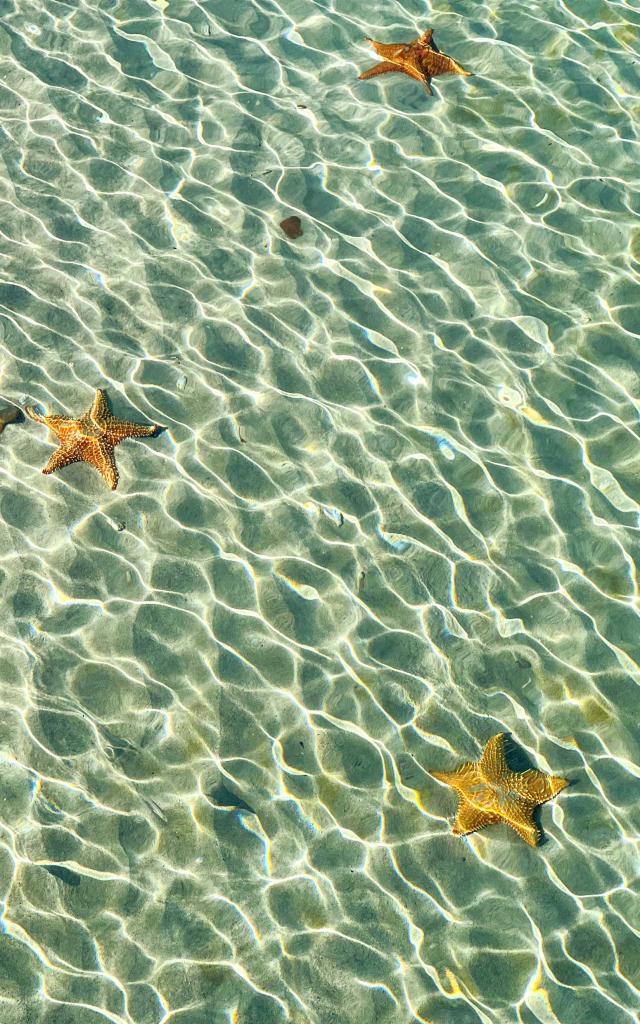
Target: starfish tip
558	784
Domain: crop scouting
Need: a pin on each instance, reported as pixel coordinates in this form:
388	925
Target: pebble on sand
291	227
10	414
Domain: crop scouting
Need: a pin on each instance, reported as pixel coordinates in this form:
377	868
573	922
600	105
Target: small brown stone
10	414
291	227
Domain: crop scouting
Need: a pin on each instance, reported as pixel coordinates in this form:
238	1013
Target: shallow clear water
395	511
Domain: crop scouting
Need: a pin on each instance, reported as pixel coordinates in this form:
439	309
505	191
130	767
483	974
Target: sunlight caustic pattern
395	511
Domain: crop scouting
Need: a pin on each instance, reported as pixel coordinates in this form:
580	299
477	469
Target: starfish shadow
221	796
519	761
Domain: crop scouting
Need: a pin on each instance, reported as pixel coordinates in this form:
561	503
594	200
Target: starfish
489	793
91	438
419	59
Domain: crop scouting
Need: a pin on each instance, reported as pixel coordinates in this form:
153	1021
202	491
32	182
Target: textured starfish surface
490	793
420	59
91	438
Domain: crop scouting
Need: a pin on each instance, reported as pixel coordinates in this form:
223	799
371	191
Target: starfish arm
470	819
535	786
101	456
116	430
389	51
65	455
459	778
518	815
493	763
99	410
426	37
65	428
381	69
32	412
414	72
555	785
427	86
442	64
61	426
120	430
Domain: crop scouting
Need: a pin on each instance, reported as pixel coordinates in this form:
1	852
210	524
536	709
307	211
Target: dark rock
291	226
10	414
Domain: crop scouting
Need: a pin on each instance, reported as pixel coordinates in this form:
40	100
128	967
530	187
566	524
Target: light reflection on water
395	512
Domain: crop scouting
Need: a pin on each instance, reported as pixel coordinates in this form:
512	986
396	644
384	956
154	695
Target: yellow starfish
420	59
489	793
91	438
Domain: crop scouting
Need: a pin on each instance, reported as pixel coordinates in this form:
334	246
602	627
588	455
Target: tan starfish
420	59
489	793
91	438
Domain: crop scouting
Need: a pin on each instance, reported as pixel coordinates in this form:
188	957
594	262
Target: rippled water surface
394	512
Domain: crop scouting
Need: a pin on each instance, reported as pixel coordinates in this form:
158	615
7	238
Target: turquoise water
395	511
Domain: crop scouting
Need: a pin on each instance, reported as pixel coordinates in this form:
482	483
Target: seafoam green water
395	511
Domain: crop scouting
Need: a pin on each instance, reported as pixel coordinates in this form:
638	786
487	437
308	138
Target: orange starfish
91	438
419	59
489	793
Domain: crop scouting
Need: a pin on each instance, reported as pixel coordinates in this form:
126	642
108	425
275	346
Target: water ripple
395	511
